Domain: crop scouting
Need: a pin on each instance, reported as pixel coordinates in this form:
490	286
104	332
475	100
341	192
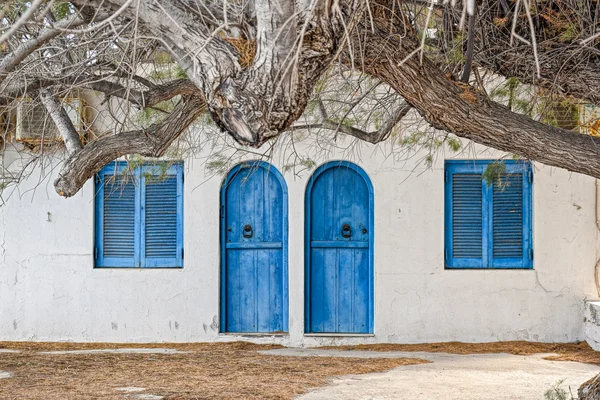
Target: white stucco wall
592	324
49	289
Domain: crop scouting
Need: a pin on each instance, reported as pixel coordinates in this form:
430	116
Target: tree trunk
590	390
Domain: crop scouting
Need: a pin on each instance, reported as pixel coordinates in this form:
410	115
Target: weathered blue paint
339	250
139	216
254	248
161	217
488	226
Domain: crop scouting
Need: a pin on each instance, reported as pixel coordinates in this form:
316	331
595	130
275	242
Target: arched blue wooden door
339	250
254	250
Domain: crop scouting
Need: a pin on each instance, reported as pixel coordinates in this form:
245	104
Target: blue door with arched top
339	250
254	250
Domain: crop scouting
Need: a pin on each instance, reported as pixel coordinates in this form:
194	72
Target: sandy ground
450	376
74	371
241	370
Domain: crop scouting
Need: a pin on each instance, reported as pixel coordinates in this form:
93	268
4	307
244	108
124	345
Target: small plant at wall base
557	392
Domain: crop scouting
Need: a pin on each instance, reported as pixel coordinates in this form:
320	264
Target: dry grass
580	352
210	371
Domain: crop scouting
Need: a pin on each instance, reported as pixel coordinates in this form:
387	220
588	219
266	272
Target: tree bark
265	100
257	103
150	142
457	108
466	74
147	98
67	131
295	46
590	390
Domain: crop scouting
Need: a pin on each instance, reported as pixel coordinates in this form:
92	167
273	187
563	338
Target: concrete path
450	377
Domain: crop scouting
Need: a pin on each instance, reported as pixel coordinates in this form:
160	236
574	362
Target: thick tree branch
146	98
67	131
271	79
456	108
140	98
275	41
150	142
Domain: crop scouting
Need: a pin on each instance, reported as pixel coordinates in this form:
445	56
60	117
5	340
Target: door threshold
253	334
339	334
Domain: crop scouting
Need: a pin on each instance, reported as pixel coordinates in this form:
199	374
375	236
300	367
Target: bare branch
374	137
470	45
60	117
23	19
206	58
10	61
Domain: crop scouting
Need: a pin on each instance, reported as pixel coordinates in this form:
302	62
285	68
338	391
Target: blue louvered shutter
465	217
510	219
488	226
116	218
162	236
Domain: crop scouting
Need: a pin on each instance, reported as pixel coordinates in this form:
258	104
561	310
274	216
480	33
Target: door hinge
531	254
97	178
221	211
95	253
182	254
446	254
446	176
530	176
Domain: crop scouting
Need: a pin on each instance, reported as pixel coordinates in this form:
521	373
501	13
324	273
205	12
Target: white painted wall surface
592	324
49	289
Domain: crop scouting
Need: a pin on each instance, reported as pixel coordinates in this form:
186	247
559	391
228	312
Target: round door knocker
346	231
247	231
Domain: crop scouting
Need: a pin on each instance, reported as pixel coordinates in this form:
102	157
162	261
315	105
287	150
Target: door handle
247	231
346	231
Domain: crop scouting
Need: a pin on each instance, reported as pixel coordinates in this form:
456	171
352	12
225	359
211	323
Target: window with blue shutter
139	216
488	225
